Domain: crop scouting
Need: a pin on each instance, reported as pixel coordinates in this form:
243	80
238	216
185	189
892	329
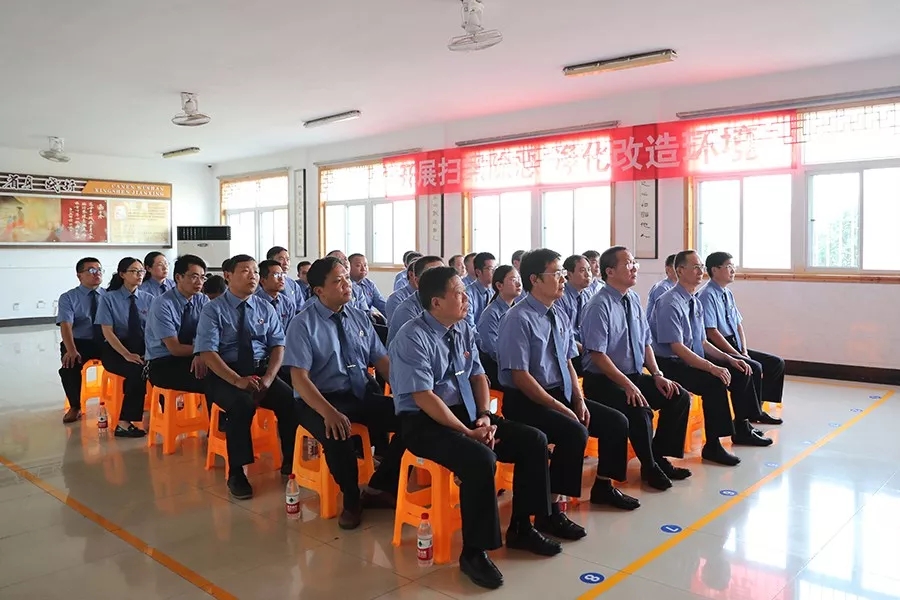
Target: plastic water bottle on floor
292	498
425	542
563	504
103	419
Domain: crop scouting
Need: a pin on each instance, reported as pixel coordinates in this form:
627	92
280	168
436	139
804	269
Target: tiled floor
815	517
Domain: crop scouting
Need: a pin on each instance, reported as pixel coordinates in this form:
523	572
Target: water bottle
103	419
563	504
425	542
292	498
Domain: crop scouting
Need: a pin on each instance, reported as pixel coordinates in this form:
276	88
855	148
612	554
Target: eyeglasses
196	277
632	265
278	275
136	271
558	274
697	268
730	267
93	271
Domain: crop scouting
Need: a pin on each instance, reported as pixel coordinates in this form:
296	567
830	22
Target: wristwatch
484	413
657	373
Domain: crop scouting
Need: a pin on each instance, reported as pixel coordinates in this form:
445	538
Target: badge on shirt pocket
362	333
261	321
466	355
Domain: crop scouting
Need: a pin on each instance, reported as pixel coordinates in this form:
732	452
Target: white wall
34	276
822	322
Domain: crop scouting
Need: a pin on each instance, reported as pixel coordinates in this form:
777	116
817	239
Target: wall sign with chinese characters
646	233
46	210
300	207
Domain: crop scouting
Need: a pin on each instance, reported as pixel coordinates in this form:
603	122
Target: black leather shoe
656	478
719	455
560	526
239	487
130	432
672	472
604	492
377	500
751	438
532	540
350	517
767	419
481	570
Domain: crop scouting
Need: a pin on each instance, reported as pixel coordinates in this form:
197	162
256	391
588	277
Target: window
370	209
577	220
256	208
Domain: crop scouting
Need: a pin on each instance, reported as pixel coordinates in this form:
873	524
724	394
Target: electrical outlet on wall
16	306
41	304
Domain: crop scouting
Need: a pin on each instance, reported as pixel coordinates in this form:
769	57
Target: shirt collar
683	293
535	305
613	293
323	311
234	301
437	326
715	286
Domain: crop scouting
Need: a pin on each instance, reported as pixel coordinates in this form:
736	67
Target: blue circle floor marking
856	410
670	528
728	492
591	578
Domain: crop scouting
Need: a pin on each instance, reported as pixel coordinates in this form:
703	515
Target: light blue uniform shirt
604	328
479	296
218	328
74	307
165	320
114	307
155	288
408	310
294	291
672	322
596	286
719	310
659	288
524	343
302	289
395	299
400	280
489	326
313	345
569	305
284	306
420	361
468	280
371	295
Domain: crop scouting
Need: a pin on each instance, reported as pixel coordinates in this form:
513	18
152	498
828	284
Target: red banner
83	220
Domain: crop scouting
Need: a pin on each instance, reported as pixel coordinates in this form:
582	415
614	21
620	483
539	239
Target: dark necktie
97	329
559	349
579	305
635	348
729	322
188	330
696	328
244	343
358	377
462	382
162	288
135	335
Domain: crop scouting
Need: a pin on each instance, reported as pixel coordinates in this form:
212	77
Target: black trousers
490	370
570	437
376	412
135	388
475	465
240	406
71	377
768	373
673	415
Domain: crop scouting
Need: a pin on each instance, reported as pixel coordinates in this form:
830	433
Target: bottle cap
292	476
103	404
424	516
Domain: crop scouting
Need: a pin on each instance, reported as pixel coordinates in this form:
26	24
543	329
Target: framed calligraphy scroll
300	212
646	221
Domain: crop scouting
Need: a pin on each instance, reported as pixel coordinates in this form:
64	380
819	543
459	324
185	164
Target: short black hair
434	284
681	258
571	262
355	255
517	255
265	265
235	260
454	257
301	264
468	256
151	258
406	255
319	270
183	262
411	257
534	262
275	250
79	266
716	259
481	258
591	254
421	263
670	260
609	260
215	284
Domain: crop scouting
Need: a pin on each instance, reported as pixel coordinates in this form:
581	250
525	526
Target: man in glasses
292	289
172	326
81	339
724	328
272	278
480	291
687	357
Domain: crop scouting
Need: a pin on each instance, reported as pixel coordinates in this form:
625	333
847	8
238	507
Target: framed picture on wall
300	211
646	222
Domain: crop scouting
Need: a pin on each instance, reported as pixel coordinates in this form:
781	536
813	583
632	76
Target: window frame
257	211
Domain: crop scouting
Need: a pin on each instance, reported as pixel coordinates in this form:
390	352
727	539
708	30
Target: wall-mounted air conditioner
212	243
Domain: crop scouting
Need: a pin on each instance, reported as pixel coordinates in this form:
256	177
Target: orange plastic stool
264	431
90	388
113	393
695	423
314	474
215	443
440	501
191	419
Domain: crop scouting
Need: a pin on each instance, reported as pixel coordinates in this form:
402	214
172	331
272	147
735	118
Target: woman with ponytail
507	286
122	315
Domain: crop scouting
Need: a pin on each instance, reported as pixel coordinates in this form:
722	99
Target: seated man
535	348
172	327
292	289
662	286
576	294
507	287
593	258
400	279
395	299
271	289
241	340
441	395
214	286
617	346
725	329
411	307
480	291
456	261
329	348
681	347
81	339
302	270
370	298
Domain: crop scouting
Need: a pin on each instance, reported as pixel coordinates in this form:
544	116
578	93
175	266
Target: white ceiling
106	74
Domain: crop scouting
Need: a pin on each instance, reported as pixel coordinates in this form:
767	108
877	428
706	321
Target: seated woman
122	315
507	286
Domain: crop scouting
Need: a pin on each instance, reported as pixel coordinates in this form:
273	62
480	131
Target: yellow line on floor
133	541
641	562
